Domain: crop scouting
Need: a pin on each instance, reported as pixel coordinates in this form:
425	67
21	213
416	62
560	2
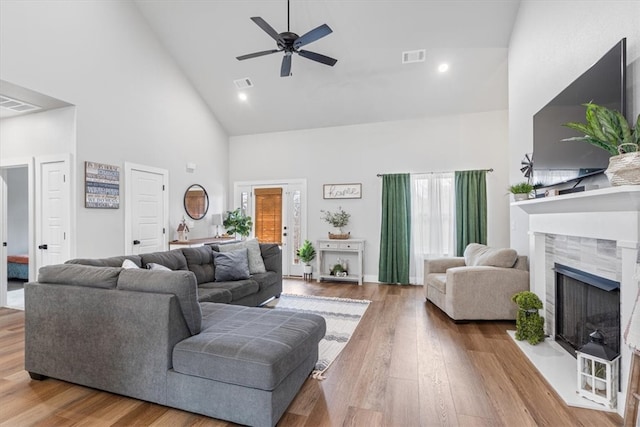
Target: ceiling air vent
413	56
16	105
243	83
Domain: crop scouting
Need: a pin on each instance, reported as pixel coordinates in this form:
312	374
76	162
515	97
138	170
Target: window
432	219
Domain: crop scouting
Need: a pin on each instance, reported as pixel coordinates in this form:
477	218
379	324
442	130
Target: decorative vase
308	269
624	169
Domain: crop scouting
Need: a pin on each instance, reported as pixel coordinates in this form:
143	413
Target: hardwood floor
407	364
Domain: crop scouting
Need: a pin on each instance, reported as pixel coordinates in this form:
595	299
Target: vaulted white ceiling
368	84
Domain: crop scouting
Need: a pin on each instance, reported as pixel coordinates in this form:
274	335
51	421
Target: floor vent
411	56
243	83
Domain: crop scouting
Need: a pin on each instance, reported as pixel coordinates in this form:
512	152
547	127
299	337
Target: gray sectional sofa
153	335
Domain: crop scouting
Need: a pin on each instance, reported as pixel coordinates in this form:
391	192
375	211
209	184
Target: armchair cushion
476	254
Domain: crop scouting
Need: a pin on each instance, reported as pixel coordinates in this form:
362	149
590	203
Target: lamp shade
216	219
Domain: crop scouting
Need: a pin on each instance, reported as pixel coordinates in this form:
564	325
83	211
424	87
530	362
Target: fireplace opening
584	303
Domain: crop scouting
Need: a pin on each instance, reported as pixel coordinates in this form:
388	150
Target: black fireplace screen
584	303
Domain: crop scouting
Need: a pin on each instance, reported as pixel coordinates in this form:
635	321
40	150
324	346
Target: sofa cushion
250	347
200	261
231	265
115	261
238	288
182	284
127	263
219	295
174	259
476	254
80	275
256	263
265	280
157	267
438	281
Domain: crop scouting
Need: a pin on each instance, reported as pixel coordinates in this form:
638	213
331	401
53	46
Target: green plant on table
338	219
236	222
607	129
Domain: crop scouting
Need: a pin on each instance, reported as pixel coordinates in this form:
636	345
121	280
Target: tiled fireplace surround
598	232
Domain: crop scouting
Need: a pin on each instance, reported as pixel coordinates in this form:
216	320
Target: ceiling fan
290	43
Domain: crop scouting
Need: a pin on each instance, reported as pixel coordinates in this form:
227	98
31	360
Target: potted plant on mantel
306	253
339	219
609	130
237	223
521	191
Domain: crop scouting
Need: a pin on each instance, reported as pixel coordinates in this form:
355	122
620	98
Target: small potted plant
237	223
609	130
307	253
339	219
521	191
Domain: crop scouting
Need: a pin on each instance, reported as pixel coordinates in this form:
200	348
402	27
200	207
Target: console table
329	250
194	243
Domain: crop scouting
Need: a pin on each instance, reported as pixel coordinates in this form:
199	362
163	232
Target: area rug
342	316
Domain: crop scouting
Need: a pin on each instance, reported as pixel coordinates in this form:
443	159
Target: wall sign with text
102	186
342	191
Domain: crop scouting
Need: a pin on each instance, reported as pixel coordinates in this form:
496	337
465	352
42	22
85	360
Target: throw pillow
232	265
476	254
127	263
256	263
157	267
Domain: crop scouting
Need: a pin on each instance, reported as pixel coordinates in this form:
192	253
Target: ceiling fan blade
524	169
318	57
256	54
267	28
311	36
285	69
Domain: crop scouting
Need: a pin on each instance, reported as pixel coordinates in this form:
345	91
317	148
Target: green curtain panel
471	208
395	232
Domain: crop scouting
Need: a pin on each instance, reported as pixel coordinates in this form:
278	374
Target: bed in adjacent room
18	267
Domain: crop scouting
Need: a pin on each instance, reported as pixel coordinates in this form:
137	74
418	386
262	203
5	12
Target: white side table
329	250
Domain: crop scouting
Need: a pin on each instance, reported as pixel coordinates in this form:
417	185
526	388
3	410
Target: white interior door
53	211
146	213
3	239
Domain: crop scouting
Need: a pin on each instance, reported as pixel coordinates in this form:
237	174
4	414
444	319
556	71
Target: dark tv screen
556	161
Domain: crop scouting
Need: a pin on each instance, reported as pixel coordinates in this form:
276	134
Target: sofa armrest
440	265
484	292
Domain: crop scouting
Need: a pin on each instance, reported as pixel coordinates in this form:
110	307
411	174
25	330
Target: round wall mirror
196	201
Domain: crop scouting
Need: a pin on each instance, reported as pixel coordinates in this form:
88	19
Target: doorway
278	209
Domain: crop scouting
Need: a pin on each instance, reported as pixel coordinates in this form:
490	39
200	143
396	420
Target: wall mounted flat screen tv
556	161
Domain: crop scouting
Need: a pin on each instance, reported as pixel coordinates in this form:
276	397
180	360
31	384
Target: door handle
45	247
136	242
4	243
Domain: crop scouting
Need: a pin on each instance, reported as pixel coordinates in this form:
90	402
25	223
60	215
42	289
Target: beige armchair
478	286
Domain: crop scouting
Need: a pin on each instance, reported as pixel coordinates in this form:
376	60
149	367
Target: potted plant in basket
237	223
338	219
307	253
521	191
608	129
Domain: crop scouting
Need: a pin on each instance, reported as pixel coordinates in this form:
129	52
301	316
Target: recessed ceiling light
443	67
242	96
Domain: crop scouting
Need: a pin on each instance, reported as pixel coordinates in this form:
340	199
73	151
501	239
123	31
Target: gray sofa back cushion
115	261
200	261
80	275
476	254
174	259
182	284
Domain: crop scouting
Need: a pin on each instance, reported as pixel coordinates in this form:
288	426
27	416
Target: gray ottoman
250	362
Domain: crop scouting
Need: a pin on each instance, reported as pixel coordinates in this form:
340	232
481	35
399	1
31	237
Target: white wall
17	211
355	154
132	102
551	45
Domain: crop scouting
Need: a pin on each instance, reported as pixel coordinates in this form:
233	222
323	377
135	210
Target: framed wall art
342	191
102	185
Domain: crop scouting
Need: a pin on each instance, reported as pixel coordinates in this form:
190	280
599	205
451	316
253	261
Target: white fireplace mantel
612	214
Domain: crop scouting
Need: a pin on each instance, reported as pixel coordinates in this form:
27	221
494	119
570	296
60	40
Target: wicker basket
624	169
342	236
